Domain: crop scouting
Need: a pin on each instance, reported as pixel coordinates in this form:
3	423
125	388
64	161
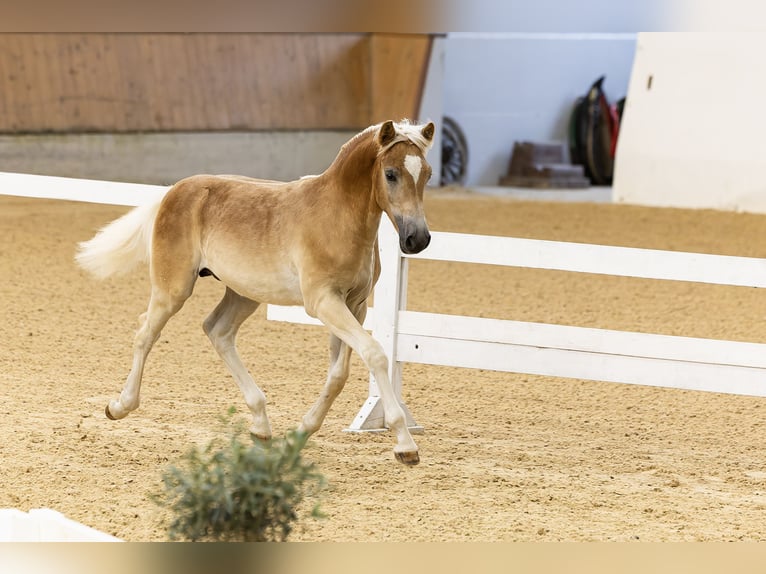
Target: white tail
121	245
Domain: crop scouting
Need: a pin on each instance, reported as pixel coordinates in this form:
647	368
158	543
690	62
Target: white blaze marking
413	164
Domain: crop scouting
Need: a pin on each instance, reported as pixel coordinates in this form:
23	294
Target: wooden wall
207	82
399	64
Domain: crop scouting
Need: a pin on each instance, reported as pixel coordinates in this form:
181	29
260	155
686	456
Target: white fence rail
502	345
556	350
70	189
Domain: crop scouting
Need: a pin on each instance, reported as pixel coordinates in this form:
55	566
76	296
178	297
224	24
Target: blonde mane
405	131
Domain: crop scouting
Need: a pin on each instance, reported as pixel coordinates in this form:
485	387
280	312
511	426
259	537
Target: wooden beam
399	63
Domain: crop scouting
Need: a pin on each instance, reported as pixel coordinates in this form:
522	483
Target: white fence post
390	297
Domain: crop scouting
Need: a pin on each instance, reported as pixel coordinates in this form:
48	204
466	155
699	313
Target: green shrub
237	489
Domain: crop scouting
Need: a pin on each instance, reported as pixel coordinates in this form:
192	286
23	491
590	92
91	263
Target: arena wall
152	108
692	133
107	83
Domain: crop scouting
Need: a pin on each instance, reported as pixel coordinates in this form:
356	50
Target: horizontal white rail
582	353
577	257
583	339
73	189
601	259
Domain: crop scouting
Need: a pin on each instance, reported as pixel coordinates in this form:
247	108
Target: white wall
502	88
695	137
569	16
432	104
519	77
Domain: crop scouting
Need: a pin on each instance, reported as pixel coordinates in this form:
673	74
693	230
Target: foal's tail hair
122	244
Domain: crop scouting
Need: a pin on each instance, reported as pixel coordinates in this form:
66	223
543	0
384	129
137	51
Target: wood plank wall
207	82
399	64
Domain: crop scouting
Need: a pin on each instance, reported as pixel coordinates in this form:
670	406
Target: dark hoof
108	414
260	437
408	458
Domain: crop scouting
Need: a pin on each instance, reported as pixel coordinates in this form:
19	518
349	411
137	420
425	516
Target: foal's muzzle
414	236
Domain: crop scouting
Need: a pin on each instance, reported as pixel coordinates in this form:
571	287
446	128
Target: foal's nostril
416	242
414	236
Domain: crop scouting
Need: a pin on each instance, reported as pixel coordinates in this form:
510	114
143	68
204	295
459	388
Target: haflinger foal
310	242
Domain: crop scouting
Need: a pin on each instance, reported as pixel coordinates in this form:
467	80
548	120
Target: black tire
454	153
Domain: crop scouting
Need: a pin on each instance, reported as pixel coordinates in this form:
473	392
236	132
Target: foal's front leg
340	355
332	311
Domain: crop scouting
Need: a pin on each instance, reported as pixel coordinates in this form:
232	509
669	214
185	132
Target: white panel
692	132
55	527
46	525
17	526
582	365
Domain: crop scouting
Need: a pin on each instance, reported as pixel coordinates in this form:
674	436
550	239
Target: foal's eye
390	175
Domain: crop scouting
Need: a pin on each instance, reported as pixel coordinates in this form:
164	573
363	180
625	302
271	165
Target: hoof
409	458
108	414
258	437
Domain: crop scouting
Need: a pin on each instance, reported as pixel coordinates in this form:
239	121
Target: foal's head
400	175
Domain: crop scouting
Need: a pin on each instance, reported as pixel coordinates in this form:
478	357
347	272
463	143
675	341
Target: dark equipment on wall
593	129
454	153
542	165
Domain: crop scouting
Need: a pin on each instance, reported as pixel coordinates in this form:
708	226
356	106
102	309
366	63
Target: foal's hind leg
221	327
162	306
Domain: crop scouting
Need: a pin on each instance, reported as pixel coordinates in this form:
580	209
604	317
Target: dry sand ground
505	457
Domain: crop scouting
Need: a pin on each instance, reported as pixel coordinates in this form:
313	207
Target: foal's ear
387	133
428	131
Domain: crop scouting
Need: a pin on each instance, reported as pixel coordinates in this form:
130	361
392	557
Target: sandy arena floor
505	457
